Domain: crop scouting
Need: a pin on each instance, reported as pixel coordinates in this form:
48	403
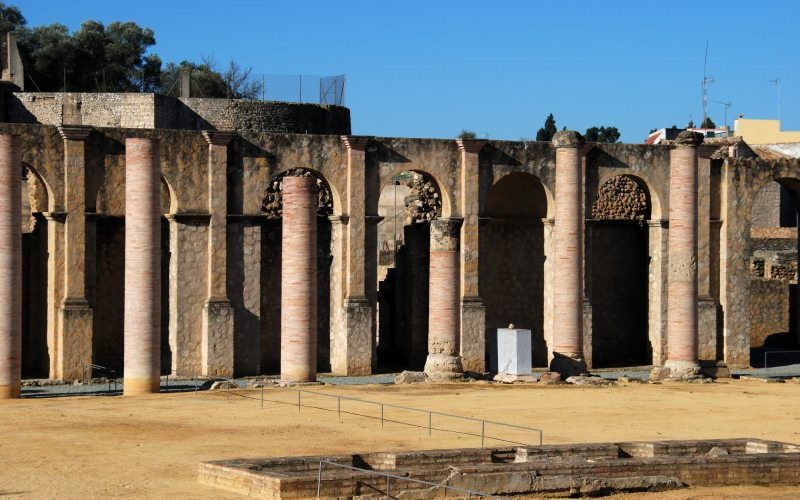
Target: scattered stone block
549	377
514	355
219	385
507	378
587	380
717	451
409	377
659	373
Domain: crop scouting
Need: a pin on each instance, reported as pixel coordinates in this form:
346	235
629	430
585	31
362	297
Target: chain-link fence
301	88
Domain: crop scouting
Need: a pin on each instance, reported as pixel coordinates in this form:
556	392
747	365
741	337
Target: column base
439	367
76	320
567	365
680	370
217	340
10	391
140	386
473	334
355	352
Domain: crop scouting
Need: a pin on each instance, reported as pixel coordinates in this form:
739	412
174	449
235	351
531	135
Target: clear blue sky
430	68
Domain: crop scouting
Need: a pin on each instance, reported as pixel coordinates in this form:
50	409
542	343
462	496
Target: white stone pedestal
514	351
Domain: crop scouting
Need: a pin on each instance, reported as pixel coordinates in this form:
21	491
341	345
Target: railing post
339	407
430	419
319	479
381	414
298	400
262	396
229	392
483	431
765	360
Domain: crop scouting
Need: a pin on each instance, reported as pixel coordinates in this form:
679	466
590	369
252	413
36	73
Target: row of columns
453	269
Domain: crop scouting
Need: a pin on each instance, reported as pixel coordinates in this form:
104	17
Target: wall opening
406	207
773	298
35	355
617	244
271	233
512	259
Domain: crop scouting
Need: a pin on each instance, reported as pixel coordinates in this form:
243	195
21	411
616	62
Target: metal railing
389	477
108	371
766	353
383	418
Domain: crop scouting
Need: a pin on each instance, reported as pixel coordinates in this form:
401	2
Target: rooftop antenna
706	80
727	106
777	82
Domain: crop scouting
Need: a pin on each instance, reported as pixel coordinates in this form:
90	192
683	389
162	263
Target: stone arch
44	200
169	201
512	259
444	195
623	197
272	203
618	272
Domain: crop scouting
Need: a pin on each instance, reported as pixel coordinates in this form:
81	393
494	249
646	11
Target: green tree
708	123
208	81
602	134
466	134
10	18
547	132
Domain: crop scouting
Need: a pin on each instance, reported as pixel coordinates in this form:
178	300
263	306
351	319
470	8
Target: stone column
217	337
473	312
358	308
299	280
10	268
75	315
444	358
142	266
682	291
568	244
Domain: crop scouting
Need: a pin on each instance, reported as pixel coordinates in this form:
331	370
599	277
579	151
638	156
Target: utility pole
706	80
777	82
727	106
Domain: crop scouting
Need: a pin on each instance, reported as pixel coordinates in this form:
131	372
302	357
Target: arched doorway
512	258
618	273
406	207
272	208
773	297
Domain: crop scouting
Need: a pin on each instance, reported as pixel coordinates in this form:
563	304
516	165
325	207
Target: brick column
217	337
682	290
444	359
358	308
142	266
299	280
10	268
568	287
473	312
75	315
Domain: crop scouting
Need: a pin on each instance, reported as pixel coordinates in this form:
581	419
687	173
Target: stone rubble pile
423	203
620	198
273	199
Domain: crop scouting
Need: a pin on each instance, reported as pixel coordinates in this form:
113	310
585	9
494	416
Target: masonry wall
255	159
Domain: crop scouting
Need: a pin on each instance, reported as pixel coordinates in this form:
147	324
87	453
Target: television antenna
777	82
727	106
706	80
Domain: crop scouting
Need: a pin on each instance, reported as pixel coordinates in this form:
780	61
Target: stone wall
142	110
769	309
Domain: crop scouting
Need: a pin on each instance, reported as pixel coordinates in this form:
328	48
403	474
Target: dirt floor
99	447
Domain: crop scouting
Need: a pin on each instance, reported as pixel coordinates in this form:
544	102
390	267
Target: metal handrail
777	352
383	418
389	477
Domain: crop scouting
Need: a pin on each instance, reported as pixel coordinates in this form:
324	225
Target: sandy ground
98	447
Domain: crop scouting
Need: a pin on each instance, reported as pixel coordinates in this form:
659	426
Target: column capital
688	138
218	138
74	132
568	139
471	145
356	142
